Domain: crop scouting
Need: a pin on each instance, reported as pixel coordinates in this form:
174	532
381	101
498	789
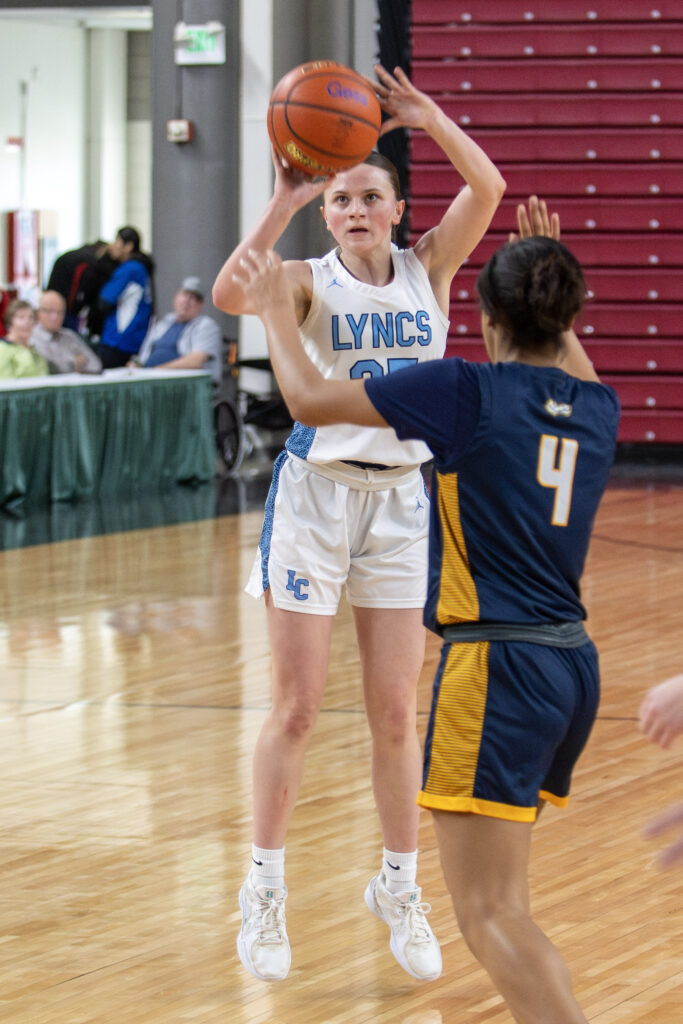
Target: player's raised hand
292	186
405	105
536	221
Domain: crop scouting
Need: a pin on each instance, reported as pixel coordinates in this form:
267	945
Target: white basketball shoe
262	943
413	942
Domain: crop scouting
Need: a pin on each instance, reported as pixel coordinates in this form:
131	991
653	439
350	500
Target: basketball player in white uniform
353	330
348	508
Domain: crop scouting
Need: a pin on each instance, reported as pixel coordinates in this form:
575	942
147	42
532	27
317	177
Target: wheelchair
243	417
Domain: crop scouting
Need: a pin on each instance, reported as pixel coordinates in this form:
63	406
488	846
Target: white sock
400	870
268	867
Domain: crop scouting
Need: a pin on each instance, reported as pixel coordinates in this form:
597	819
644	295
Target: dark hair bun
533	288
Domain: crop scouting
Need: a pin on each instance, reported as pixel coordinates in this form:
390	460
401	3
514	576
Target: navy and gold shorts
508	722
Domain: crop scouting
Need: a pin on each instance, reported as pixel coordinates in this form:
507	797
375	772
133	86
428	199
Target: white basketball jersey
356	330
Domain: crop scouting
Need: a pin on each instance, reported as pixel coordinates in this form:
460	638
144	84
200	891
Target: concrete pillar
195	185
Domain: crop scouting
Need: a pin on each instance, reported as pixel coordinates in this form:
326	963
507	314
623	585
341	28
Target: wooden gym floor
135	679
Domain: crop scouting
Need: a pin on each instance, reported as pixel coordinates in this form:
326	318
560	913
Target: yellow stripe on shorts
459	722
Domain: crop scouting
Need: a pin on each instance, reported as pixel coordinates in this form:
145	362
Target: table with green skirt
127	431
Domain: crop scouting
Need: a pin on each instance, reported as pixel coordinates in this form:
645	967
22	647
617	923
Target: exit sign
199	44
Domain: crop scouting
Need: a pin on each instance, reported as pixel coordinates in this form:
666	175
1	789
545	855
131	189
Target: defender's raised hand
262	277
536	221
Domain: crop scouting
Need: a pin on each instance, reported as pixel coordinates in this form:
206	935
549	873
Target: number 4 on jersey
560	475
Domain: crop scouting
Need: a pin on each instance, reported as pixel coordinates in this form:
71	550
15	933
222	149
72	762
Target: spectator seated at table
184	339
17	358
64	350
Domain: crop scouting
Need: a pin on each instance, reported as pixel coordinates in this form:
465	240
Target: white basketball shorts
335	525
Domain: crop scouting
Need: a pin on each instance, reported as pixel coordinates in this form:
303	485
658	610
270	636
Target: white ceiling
131	17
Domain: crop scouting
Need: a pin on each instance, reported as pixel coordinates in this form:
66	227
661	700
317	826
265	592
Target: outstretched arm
445	247
292	191
661	719
537	222
666	821
311	398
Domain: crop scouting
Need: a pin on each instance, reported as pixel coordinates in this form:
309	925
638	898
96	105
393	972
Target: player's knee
485	920
393	722
298	717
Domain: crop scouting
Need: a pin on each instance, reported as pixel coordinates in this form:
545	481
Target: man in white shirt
185	339
65	351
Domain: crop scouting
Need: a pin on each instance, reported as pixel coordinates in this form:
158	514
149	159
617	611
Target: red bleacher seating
522	76
612	214
454	42
597	320
522	145
582	104
638	355
547	110
600	250
588	179
617	286
522	12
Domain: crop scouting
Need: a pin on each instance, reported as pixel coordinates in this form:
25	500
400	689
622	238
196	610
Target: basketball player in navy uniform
348	508
522	451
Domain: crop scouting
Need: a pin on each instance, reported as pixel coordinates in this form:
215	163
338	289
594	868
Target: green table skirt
64	443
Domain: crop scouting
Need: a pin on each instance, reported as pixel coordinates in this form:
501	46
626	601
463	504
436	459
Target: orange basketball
323	117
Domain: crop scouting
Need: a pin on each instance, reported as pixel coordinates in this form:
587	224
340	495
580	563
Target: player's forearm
576	362
312	399
227	293
469	159
301	383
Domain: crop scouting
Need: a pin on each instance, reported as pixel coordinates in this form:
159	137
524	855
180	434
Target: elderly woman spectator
17	358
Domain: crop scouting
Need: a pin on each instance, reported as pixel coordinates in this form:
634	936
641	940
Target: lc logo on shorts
297	585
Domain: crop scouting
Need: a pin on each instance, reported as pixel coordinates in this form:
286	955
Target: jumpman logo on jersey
419	505
335	281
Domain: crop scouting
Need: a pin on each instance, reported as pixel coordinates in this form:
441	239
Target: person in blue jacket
522	449
126	300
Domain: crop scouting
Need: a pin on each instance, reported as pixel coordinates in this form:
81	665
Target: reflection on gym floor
242	491
30	525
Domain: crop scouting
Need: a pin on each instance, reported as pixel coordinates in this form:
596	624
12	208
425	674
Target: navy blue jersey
521	459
